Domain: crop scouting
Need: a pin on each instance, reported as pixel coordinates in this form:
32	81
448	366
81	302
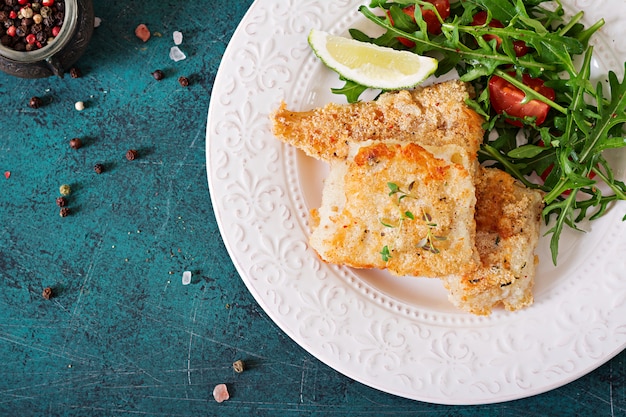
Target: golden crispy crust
508	218
358	217
434	115
429	138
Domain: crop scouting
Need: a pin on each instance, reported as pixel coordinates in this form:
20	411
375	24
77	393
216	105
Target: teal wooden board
123	336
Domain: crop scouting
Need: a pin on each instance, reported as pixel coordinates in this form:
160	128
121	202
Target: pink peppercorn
56	30
31	39
22	2
47	3
11	31
13	14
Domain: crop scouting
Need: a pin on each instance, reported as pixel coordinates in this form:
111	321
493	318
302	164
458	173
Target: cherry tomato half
409	11
432	23
480	18
506	98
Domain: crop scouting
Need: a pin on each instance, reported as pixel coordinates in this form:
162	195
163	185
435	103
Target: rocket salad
531	69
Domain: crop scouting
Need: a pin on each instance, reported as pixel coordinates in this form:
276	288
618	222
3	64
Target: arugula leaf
525	151
502	10
612	115
351	90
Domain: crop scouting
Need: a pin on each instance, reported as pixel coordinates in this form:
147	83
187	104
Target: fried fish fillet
399	206
508	219
435	115
444	135
489	228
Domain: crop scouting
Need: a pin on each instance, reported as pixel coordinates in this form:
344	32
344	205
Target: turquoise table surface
122	336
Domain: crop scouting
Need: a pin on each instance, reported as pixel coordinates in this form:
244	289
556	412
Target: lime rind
371	65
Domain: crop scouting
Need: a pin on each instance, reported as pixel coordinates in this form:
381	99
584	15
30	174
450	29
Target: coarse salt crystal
178	37
96	22
220	393
176	54
79	105
186	277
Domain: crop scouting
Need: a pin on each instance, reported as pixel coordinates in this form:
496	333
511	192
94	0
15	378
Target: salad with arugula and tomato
546	122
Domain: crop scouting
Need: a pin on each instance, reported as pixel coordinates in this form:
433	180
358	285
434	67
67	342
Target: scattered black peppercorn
35	102
158	75
64	212
61	201
76	143
75	73
98	168
47	293
131	154
184	81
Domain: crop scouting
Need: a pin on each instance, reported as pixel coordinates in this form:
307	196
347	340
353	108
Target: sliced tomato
546	172
506	98
480	19
409	10
520	48
432	23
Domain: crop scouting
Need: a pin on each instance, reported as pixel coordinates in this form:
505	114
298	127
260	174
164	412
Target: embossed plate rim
331	311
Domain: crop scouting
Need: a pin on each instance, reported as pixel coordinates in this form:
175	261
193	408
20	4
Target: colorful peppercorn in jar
41	38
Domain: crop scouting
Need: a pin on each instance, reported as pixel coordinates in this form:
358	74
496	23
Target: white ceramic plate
399	335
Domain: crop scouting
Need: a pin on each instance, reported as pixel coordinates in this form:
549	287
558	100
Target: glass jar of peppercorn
41	38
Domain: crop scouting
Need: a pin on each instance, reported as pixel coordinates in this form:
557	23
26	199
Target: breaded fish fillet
401	207
435	115
508	219
422	142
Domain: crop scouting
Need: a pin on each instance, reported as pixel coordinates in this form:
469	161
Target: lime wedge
371	65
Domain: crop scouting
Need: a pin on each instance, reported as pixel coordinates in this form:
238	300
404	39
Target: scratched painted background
123	336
